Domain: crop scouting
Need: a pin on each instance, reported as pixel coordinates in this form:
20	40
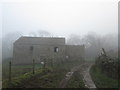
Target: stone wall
26	49
75	52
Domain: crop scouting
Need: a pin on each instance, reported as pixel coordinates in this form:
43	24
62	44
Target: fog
93	43
60	18
94	24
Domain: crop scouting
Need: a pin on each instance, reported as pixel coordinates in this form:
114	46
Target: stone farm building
49	49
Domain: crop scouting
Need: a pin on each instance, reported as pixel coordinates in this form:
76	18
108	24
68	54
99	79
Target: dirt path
87	78
84	70
64	82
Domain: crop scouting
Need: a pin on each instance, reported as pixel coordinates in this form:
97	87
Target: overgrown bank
101	80
50	78
105	71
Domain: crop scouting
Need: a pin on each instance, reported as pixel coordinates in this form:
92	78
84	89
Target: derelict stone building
49	49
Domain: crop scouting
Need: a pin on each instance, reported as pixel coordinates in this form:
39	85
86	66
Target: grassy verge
17	70
49	80
22	79
22	76
76	81
101	80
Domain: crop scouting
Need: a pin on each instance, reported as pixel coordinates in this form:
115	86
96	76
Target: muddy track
64	82
87	77
84	70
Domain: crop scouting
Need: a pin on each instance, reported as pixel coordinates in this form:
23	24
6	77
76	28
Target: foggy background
94	24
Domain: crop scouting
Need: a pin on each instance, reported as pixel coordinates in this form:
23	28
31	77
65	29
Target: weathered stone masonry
45	48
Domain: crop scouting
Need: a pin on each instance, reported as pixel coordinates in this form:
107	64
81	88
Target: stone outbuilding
49	49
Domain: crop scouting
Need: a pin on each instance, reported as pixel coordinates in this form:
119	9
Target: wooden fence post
51	63
10	71
33	66
44	63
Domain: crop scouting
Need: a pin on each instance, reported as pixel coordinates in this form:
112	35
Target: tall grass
101	80
51	79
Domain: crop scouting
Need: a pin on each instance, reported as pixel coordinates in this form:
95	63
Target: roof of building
40	40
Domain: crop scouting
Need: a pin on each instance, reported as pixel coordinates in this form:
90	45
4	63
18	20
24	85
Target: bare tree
7	43
74	40
94	43
43	33
32	34
40	33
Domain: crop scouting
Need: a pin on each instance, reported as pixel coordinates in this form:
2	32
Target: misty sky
60	18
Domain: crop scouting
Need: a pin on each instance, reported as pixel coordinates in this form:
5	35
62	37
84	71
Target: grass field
22	76
101	80
17	70
49	80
